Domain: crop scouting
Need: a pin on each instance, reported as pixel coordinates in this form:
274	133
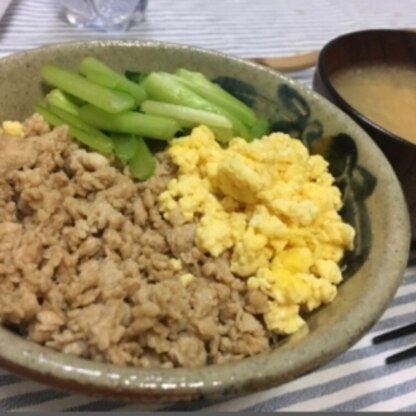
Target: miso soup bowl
373	204
386	47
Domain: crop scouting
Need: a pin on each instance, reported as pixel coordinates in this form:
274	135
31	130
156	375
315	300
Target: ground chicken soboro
86	263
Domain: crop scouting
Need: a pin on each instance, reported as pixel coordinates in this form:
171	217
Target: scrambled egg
12	128
176	264
186	278
274	207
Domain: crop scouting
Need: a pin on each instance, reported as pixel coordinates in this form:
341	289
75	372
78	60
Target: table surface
358	379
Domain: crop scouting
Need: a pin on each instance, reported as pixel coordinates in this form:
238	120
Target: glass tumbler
106	15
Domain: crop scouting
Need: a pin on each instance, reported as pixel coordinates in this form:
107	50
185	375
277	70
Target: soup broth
384	94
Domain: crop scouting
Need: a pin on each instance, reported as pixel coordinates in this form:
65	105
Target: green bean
96	71
198	83
59	99
189	117
187	114
95	143
77	122
104	98
165	87
222	135
143	164
260	128
146	125
51	118
125	146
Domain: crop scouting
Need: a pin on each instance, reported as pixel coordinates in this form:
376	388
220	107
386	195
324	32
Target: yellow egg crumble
274	206
12	128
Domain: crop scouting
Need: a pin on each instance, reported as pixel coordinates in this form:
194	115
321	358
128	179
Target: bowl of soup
371	75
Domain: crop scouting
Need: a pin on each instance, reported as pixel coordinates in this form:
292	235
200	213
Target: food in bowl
205	256
386	94
372	204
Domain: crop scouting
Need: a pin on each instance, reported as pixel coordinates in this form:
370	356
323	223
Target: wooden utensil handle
295	62
292	63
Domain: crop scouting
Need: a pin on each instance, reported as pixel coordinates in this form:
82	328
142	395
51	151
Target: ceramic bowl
373	204
388	47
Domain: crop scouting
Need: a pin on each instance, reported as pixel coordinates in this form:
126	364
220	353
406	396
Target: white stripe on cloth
20	388
392	404
353	391
268	28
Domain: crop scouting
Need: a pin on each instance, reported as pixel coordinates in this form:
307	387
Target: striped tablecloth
358	379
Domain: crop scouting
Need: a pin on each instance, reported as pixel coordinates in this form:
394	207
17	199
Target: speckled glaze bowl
373	204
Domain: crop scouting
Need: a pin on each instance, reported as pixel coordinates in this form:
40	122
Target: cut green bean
198	83
125	146
190	117
143	164
78	123
187	114
240	129
59	99
222	135
96	71
146	125
260	128
95	143
165	87
106	99
51	118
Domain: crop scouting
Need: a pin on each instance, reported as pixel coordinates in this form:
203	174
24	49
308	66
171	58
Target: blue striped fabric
358	379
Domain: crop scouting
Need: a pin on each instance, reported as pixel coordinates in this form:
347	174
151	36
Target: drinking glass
106	15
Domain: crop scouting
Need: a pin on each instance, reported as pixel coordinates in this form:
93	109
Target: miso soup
384	94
